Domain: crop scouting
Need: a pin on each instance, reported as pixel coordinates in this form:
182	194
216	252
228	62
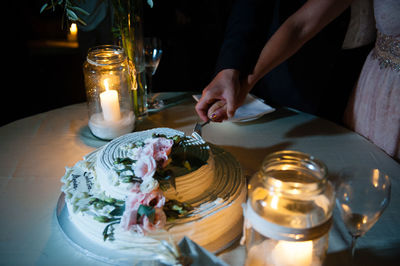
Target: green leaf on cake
187	165
108	232
148	211
166	177
124	161
130	179
175	209
125	172
118	211
177	139
98	204
103	219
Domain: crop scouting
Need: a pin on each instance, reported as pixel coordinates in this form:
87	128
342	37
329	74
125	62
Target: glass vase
128	16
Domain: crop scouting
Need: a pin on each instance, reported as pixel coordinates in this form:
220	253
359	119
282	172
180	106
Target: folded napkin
251	109
198	255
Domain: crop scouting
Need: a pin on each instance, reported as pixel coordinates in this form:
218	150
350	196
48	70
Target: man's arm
245	35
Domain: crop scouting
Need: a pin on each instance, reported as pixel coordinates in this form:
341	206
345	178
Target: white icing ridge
216	191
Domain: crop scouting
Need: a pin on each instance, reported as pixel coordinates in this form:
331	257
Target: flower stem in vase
128	19
135	101
134	87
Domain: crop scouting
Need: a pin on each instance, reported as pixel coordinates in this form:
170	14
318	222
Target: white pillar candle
110	104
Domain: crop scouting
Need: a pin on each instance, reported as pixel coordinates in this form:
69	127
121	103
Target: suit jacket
307	80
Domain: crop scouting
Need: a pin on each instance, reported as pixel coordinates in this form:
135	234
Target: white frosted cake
148	188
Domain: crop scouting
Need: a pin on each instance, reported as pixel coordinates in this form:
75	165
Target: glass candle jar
288	214
108	95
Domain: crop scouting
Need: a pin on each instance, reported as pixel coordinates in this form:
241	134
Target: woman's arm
300	27
304	24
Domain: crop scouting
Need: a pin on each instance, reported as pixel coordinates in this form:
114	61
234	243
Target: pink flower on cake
160	148
134	153
159	221
149	185
132	204
128	219
155	152
154	199
143	207
145	167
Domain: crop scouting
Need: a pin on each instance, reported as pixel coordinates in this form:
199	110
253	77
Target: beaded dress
374	108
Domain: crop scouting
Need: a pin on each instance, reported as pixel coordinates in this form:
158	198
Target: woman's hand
217	112
221	97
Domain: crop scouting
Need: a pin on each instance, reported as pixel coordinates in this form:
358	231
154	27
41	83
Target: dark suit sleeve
246	34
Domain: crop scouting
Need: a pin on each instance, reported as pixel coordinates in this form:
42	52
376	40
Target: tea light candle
110	104
282	253
292	253
73	33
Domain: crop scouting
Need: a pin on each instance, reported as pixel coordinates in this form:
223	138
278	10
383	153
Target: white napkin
251	109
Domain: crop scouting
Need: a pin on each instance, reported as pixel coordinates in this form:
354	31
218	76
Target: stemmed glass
152	55
361	197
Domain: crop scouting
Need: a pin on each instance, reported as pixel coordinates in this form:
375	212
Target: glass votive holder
288	214
107	90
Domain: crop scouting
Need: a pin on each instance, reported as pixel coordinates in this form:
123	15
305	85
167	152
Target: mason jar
288	214
108	94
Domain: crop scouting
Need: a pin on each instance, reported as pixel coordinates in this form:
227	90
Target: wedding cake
145	189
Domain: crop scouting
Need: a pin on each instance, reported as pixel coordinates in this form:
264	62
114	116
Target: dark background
43	72
42	76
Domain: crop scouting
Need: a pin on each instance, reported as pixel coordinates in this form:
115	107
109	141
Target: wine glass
152	56
362	196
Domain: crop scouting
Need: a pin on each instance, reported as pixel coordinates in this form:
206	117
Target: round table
34	152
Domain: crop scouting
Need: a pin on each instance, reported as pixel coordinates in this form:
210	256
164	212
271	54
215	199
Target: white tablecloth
35	151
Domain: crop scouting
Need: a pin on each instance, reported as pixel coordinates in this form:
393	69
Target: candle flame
106	84
73	29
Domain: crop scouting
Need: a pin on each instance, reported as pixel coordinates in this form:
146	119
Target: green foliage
148	211
71	11
114	216
175	209
108	232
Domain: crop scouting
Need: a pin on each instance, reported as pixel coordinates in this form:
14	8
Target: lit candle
110	104
73	33
291	253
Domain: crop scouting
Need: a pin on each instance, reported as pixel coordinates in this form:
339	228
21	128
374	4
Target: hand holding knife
217	112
